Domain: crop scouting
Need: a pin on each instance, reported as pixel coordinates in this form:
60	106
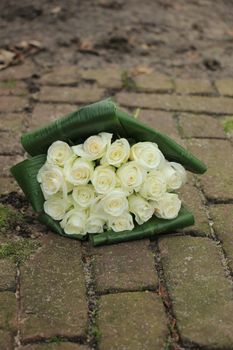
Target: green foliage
18	250
128	82
228	126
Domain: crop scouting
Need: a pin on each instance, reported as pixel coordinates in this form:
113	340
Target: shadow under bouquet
100	173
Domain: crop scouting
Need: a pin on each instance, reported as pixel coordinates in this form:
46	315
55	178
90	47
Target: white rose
124	222
95	223
174	174
168	206
117	153
131	175
142	209
78	171
94	147
103	179
56	207
84	195
51	179
74	222
147	155
58	153
153	186
115	202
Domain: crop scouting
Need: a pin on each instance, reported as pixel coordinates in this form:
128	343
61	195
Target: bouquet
102	174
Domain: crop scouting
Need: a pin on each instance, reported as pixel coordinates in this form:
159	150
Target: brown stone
6	340
217	182
19	72
126	266
160	121
61	75
10	143
6	162
8	185
55	346
193	86
225	86
53	295
132	321
8	314
200	292
70	94
200	126
46	113
222	216
109	77
190	196
153	82
17	88
12	122
217	105
7	275
12	104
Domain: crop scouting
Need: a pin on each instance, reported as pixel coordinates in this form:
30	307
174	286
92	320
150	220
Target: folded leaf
25	174
146	230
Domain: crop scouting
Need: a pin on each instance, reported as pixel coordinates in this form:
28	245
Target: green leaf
25	174
171	150
75	127
147	230
55	227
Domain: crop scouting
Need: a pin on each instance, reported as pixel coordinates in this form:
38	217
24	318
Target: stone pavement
174	292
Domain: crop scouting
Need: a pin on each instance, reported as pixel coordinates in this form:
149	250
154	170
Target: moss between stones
228	126
18	250
8	217
9	84
128	82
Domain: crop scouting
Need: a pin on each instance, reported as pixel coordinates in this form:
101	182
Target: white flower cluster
99	184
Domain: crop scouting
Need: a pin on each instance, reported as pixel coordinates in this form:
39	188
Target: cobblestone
223	225
132	321
7	275
127	266
61	75
55	346
12	104
193	86
153	82
10	143
70	94
8	314
216	182
201	294
19	72
53	301
12	121
225	86
201	126
17	88
110	77
45	113
6	340
8	185
210	105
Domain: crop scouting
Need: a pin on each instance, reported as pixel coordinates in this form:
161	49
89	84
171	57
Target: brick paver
53	301
201	294
12	104
120	267
201	126
85	94
222	216
122	308
55	346
193	86
6	340
217	182
7	275
45	113
216	105
132	321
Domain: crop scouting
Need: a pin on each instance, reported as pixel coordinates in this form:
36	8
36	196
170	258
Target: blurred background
181	38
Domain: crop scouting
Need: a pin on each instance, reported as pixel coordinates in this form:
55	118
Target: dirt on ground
181	38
